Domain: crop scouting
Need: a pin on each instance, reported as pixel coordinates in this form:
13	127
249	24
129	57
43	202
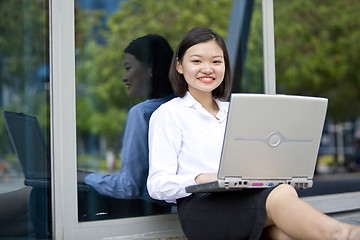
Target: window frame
63	135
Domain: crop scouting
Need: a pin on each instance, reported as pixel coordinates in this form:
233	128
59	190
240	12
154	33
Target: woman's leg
300	220
273	232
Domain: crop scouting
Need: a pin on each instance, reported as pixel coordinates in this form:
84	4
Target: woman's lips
206	79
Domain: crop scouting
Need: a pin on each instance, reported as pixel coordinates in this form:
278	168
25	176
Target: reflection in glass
109	104
253	74
248	74
25	200
124	194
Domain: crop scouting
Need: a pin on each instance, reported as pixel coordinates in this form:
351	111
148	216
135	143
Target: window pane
24	123
248	68
113	109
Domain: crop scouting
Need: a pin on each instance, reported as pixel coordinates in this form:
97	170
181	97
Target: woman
146	61
185	140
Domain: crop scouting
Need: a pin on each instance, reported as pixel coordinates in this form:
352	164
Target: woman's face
136	77
203	67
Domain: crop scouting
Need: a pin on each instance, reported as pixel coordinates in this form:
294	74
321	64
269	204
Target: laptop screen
28	143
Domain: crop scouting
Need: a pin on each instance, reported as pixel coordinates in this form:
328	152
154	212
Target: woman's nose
207	69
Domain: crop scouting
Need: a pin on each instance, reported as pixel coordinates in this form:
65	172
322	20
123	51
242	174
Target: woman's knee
283	191
280	196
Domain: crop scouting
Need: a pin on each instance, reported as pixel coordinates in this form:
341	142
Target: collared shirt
130	182
185	140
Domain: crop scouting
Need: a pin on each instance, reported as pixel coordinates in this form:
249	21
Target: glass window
123	53
121	78
25	199
318	55
248	72
103	32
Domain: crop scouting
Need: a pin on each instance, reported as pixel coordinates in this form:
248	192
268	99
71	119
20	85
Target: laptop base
239	184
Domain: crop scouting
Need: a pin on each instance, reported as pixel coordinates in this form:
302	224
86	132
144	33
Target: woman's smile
206	79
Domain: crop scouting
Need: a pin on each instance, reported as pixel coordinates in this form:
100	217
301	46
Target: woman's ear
179	67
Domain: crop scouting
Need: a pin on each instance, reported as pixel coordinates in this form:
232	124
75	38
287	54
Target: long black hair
154	52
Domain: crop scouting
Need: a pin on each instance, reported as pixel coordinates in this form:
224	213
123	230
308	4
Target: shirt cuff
93	179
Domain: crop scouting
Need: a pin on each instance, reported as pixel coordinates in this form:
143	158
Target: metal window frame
268	46
63	136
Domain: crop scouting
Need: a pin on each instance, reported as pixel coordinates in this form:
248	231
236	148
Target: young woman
147	61
185	140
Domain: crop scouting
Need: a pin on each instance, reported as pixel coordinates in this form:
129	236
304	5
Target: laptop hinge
230	182
301	182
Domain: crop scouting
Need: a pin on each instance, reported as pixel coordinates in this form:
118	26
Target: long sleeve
130	182
184	141
164	146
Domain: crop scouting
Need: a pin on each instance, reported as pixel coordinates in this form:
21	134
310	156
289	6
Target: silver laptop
269	140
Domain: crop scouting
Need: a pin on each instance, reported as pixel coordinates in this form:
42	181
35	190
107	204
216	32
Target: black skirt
223	215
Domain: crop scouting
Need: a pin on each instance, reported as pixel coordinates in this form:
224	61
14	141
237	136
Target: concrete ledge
344	207
335	203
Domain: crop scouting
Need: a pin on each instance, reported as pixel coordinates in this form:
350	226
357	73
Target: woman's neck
206	100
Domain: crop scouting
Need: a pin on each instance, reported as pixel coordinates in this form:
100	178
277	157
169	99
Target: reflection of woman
185	140
147	61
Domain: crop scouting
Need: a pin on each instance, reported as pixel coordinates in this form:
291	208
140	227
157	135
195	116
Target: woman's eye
196	61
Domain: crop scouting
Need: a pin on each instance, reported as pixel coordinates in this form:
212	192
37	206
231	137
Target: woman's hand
206	177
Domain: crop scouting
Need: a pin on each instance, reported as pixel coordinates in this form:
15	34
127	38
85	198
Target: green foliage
102	99
317	52
23	39
253	73
169	18
23	50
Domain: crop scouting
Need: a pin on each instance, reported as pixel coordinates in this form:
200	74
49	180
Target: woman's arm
206	177
130	182
165	139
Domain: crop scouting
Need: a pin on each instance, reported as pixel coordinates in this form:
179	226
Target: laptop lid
28	144
272	136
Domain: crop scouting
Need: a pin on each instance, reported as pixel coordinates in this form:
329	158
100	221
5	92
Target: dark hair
191	38
154	52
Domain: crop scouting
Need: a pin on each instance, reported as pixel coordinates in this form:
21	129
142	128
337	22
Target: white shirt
185	140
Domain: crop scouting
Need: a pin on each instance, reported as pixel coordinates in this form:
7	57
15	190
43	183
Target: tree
102	100
23	43
317	52
24	61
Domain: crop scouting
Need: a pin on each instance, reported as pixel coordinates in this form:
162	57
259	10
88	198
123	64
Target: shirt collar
223	111
189	101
